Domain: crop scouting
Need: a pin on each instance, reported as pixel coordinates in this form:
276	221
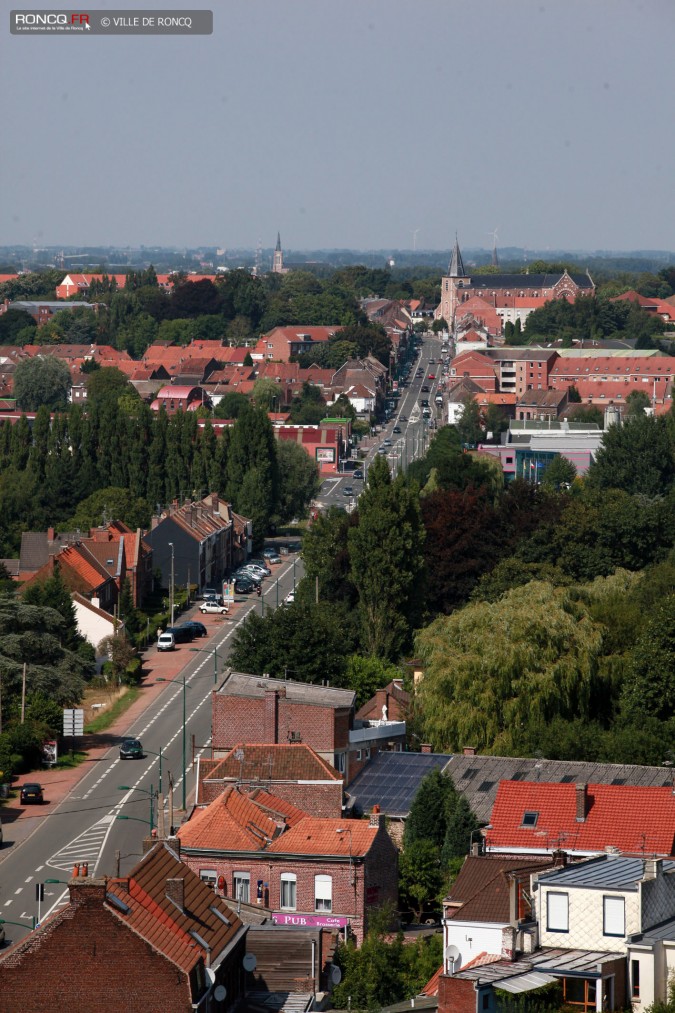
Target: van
166	641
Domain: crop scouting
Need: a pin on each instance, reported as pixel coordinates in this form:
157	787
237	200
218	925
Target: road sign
73	721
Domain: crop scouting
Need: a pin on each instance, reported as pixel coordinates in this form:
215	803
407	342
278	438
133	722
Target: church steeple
456	268
278	259
277	248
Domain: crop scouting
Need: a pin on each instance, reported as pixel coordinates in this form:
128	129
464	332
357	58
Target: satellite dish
210	975
335	974
219	993
249	962
452	954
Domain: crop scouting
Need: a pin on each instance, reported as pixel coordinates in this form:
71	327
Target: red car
432	376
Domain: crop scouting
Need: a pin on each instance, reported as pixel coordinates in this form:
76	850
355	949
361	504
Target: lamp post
172	584
159	754
207	650
179	682
151	793
23	925
294	562
346	830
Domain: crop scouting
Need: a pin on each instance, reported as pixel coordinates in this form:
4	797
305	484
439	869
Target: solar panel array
391	781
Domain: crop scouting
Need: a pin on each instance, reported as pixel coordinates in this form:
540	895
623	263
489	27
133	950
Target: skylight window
530	819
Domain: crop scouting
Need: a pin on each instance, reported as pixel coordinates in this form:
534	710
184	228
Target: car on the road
403	418
358	473
213	608
290	597
271	556
382	450
198	629
31	793
432	376
348	490
166	642
396	429
424	404
432	362
131	749
424	388
386	443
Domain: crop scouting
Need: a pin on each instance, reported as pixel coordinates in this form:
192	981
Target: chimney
50	534
508	943
87	890
559	858
175	891
469	751
582	799
377	819
271	716
425	747
653	868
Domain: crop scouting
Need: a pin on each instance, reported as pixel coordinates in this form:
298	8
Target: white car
290	598
213	607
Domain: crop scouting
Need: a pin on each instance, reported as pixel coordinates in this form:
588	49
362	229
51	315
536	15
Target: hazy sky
348	123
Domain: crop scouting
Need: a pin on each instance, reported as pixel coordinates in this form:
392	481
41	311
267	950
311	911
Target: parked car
213	607
250	575
261	564
244	586
166	642
198	629
181	634
271	556
131	749
31	793
210	592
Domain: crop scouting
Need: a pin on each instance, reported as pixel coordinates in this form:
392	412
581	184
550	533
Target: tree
107	385
265	393
110	504
299	480
427	819
637	456
16	326
387	564
559	472
650	688
366	675
42	380
420	877
248	359
637	403
53	593
231	405
573	395
325	554
489	667
469	424
252	480
120	652
439	325
461	824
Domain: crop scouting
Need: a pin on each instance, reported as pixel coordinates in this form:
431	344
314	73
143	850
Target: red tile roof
650	826
283	762
314	836
237	821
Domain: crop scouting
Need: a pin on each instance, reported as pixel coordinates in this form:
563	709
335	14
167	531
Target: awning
525	982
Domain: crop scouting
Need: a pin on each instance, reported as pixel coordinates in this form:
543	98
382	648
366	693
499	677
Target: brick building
156	940
308	871
293	772
253	709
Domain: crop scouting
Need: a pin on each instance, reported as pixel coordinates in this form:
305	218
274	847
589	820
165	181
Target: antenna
414	235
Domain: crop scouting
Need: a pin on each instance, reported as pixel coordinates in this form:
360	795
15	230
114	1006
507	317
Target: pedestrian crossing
87	847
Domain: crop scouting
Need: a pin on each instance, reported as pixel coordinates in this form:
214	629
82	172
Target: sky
363	124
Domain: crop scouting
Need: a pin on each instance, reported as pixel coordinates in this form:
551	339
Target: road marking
19	890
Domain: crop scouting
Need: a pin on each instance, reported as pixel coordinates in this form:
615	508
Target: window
358	754
323	893
557	912
530	819
613	916
241	885
635	979
288	891
208	876
579	992
486	1000
340	763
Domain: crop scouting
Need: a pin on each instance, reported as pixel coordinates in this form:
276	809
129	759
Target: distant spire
278	246
456	269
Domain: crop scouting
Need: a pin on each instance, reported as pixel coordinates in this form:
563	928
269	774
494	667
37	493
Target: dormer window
530	819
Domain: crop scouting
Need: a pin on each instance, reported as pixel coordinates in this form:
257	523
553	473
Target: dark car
182	634
348	490
131	749
32	793
198	629
358	473
243	586
424	388
396	429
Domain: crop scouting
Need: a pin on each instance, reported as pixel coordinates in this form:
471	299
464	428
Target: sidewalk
19	821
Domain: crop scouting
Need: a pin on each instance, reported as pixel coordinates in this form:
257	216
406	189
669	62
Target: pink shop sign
309	921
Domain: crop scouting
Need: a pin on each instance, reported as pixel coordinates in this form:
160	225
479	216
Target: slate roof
478	777
650	829
158	919
482	887
523	282
241	684
391	781
607	872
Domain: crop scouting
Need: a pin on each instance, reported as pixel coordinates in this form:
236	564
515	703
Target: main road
86	826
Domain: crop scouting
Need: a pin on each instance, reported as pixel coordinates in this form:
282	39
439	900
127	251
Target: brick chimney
271	716
559	858
508	943
582	802
469	751
425	747
377	818
175	891
87	890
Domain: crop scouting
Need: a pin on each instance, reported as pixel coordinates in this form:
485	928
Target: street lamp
207	650
153	753
172	583
151	793
178	682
